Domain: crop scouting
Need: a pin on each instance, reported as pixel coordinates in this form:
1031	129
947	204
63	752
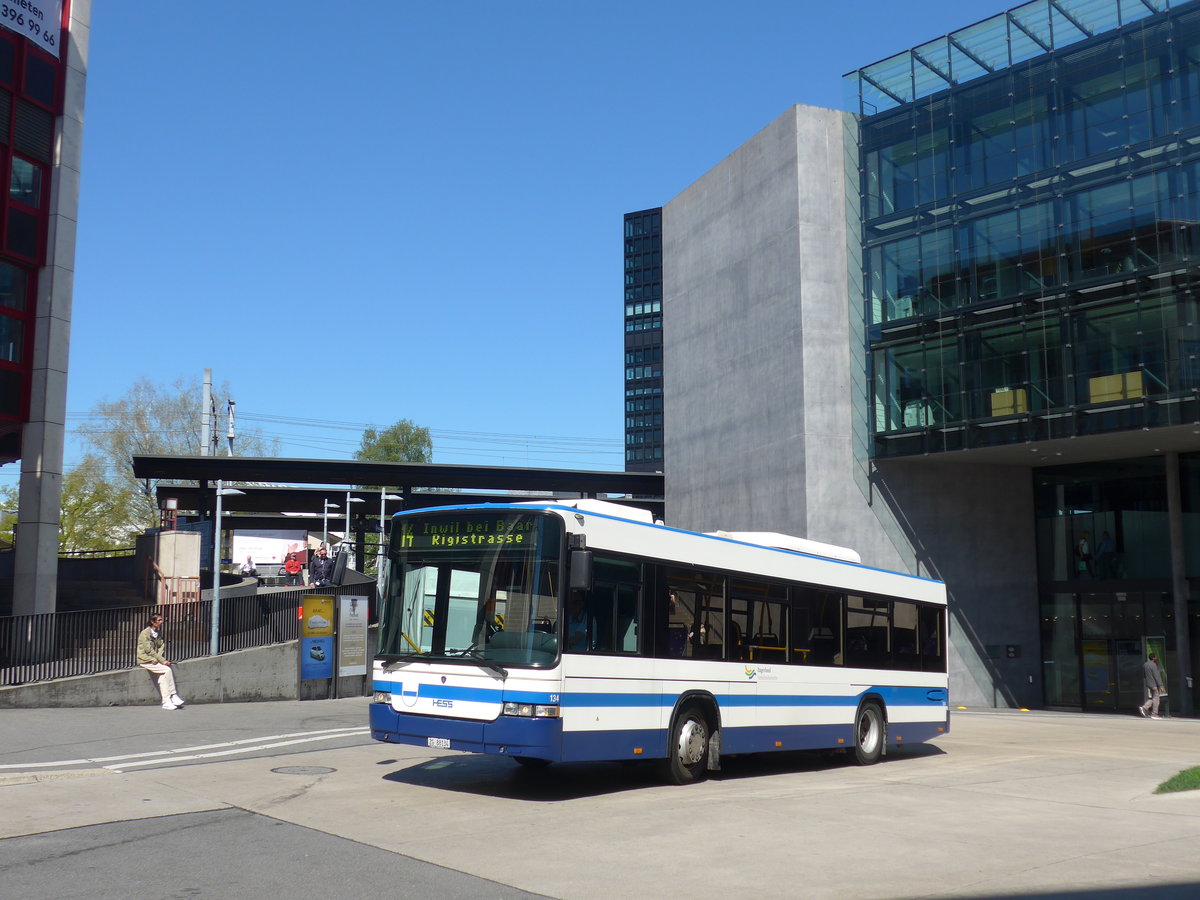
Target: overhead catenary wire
298	436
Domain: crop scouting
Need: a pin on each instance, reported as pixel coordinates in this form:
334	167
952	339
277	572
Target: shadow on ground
494	776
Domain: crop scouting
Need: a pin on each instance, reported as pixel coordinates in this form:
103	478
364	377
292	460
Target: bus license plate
439	743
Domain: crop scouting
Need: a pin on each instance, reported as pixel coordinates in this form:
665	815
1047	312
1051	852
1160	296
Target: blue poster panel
316	657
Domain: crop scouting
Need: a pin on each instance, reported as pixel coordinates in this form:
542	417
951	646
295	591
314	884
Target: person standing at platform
320	570
150	656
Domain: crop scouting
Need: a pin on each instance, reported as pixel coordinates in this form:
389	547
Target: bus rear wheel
687	753
868	734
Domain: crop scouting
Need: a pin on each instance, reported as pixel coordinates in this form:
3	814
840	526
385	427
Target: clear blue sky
356	213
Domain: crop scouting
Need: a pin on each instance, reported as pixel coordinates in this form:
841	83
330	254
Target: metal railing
171	589
61	645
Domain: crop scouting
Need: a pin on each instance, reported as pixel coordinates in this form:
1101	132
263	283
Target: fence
60	645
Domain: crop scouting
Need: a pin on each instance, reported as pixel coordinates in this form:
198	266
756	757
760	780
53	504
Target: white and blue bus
582	630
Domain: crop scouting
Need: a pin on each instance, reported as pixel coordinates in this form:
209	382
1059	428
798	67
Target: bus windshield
477	586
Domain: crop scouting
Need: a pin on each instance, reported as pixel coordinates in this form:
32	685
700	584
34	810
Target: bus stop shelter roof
266	498
271	508
347	473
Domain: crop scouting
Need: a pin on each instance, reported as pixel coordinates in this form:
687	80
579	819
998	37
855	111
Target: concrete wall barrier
261	673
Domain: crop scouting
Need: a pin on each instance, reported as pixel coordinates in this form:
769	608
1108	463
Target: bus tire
687	752
531	762
869	731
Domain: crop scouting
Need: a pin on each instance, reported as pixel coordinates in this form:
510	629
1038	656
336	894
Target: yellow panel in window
1009	402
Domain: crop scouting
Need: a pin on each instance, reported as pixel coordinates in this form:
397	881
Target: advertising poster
316	637
38	20
352	636
267	548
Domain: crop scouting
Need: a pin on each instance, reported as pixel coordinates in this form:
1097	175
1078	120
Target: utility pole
229	434
205	412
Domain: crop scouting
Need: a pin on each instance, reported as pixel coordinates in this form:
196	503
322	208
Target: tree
403	442
153	420
96	513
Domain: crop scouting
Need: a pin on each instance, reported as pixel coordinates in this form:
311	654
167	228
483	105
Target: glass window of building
25	184
12	337
12	286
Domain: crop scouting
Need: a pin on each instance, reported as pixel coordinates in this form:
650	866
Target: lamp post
222	491
325	521
383	498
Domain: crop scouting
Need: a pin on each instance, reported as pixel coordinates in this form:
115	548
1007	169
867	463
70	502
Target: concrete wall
766	414
36	563
263	673
732	328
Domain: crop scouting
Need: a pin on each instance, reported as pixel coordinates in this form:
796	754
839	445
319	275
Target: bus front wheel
687	753
868	734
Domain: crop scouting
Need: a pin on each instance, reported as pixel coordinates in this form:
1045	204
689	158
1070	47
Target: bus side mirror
581	570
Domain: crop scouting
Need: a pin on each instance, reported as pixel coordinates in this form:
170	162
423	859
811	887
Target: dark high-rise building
643	342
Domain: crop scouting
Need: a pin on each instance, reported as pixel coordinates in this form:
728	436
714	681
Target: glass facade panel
1059	248
1004	40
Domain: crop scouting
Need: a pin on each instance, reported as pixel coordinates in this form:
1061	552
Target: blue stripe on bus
546	739
891	696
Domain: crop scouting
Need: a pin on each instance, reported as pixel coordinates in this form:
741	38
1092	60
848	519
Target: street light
383	498
222	491
325	521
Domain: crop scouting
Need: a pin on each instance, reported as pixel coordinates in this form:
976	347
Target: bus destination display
475	531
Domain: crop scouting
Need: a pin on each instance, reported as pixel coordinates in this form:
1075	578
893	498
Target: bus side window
612	606
758	621
868	633
906	652
817	627
933	656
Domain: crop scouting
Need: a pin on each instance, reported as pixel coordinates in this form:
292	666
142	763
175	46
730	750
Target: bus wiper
392	659
472	653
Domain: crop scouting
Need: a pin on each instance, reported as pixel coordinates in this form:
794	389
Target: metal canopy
261	506
267	505
395	475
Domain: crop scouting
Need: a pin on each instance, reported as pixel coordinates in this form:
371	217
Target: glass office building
1030	207
643	341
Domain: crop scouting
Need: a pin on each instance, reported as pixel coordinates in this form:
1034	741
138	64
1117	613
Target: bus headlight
530	710
383	697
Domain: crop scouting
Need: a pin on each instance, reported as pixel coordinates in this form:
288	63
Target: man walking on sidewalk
150	657
1153	681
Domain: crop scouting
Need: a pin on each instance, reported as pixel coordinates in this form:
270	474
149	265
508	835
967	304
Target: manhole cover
303	770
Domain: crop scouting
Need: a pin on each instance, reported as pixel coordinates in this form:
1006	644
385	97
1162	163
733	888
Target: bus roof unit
788	542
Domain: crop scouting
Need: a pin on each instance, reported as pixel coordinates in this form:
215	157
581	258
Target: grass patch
1187	780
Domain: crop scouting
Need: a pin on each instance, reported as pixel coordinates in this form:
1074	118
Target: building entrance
1112	674
1094	644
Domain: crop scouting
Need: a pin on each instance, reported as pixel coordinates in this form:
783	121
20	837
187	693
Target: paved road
1007	804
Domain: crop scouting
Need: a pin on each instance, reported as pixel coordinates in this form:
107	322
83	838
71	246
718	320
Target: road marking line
330	732
246	749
